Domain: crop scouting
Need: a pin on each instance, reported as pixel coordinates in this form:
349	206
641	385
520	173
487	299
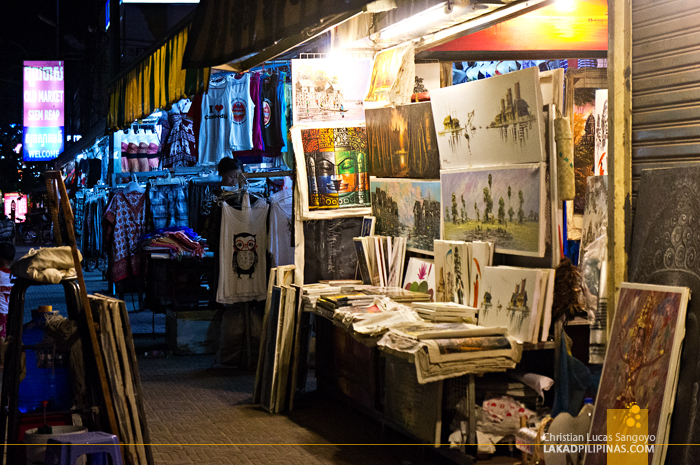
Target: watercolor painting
427	77
402	142
420	276
336	167
511	299
595	213
494	121
407	208
328	89
452	260
601	132
641	365
504	205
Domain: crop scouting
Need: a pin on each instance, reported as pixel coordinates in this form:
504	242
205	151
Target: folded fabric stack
177	242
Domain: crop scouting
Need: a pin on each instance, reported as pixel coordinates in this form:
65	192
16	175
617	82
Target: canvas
329	249
368	225
511	299
390	81
331	170
407	208
495	121
427	77
402	142
583	132
601	132
420	276
481	256
452	260
329	89
504	205
642	362
595	213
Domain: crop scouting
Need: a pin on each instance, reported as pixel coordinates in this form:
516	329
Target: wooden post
619	146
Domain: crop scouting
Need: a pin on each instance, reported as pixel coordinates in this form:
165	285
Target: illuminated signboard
42	136
20	205
569	25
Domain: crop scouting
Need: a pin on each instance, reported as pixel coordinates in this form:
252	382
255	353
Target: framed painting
494	121
407	208
332	176
503	204
329	89
642	363
402	142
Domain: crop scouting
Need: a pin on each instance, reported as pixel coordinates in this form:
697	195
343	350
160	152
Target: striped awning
156	81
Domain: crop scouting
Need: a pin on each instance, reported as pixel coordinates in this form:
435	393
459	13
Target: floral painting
420	276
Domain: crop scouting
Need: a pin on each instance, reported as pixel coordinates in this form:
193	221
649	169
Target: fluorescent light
418	21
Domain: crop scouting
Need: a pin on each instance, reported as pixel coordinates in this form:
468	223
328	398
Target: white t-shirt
281	225
215	128
5	289
242	249
242	108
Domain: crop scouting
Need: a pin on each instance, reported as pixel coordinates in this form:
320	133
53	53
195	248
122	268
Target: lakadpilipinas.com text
593	444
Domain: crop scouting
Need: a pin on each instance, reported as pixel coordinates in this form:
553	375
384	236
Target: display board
42	135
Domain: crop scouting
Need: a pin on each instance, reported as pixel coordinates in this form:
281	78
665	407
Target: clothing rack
140	176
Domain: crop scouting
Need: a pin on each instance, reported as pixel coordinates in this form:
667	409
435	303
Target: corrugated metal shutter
665	85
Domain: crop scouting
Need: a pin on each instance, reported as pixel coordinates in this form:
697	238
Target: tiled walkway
192	406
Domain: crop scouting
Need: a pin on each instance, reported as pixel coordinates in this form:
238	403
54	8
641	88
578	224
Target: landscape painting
595	213
504	205
583	132
511	299
642	361
452	267
407	208
402	142
329	89
335	159
494	121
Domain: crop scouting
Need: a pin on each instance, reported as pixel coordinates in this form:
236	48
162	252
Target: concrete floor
201	414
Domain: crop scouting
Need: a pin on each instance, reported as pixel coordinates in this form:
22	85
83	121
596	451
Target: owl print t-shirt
242	250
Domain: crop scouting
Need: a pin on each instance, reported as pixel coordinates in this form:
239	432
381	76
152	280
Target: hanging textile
281	226
168	206
126	218
242	253
155	82
180	149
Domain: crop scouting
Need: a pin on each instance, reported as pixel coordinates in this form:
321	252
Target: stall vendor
229	170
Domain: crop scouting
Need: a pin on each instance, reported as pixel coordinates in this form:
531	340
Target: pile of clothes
177	241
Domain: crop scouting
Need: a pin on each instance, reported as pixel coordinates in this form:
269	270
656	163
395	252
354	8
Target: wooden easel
56	191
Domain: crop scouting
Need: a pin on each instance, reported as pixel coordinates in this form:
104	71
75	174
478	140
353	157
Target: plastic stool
65	449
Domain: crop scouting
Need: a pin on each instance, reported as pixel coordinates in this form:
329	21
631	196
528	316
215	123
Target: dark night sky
23	36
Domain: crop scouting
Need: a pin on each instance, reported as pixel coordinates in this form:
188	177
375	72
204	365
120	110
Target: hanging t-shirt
215	128
242	250
242	110
281	225
271	113
126	215
255	81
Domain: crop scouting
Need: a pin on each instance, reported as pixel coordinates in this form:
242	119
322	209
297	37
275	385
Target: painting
595	213
331	170
641	365
481	256
386	86
329	249
601	132
407	208
402	142
466	348
504	205
329	89
368	225
494	121
420	276
511	298
452	269
427	77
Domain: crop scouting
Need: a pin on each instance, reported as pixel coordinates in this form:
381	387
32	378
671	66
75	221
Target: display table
382	383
